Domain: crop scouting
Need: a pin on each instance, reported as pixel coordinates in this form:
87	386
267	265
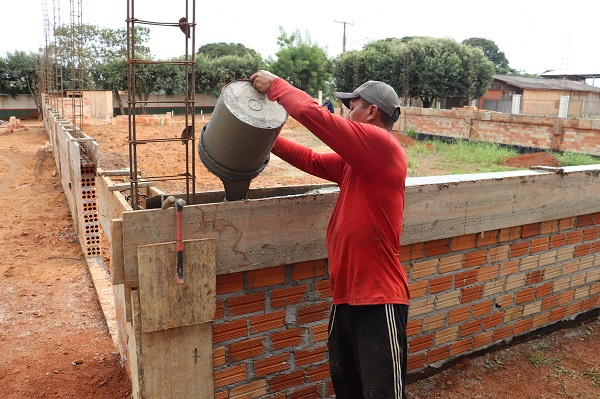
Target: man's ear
373	109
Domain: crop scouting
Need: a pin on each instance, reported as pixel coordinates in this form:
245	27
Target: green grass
429	158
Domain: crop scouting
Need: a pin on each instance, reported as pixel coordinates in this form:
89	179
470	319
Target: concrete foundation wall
545	133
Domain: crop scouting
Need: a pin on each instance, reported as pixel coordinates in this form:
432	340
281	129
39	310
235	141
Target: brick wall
546	133
468	292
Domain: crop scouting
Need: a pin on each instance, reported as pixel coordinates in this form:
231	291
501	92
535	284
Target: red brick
558	240
308	270
471	294
568	223
272	365
474	259
318	372
463	242
420	343
549	226
319	332
461	346
483	339
510	234
230	375
413	327
404	253
566	297
510	267
483	308
322	288
523	326
574	237
573	308
309	392
247	303
254	389
503	332
538	245
285	381
219	356
544	290
415	362
246	349
417	251
312	313
582	250
505	301
268	321
230	330
591	234
470	327
589	303
228	283
418	289
530	230
465	278
558	314
437	247
312	356
534	277
585	220
596	247
265	277
439	284
489	238
525	295
438	354
287	338
281	297
222	394
492	320
458	315
487	273
519	249
550	302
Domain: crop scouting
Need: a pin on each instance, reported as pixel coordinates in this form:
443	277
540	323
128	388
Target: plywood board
117	268
248	234
165	303
178	363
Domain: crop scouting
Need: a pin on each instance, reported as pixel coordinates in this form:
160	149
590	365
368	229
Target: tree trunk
121	109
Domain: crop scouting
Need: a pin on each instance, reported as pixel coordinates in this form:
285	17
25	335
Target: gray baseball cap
378	93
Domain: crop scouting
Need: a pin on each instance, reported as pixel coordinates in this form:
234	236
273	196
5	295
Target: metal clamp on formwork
179	204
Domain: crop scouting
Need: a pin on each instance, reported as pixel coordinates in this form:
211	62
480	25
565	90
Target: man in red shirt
367	328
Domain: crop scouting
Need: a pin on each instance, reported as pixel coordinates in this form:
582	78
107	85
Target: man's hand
262	80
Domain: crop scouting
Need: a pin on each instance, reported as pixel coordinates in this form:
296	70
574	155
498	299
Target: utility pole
344	39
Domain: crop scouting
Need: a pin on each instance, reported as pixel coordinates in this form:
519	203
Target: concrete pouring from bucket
236	143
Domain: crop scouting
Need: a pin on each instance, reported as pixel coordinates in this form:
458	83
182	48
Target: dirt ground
54	342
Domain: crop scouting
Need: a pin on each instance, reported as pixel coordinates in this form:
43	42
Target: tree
302	63
112	75
493	53
19	74
217	50
417	67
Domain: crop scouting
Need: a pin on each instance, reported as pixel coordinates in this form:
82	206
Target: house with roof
544	97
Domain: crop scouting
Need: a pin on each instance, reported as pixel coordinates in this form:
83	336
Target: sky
535	36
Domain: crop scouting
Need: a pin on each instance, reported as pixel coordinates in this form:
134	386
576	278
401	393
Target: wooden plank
248	234
117	271
121	320
134	345
449	206
111	205
178	363
167	303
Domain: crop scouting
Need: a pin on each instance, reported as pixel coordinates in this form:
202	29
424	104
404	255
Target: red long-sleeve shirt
369	165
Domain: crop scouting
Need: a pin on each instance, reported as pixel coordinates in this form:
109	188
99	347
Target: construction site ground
54	342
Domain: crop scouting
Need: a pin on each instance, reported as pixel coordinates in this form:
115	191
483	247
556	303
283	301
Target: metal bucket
236	143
